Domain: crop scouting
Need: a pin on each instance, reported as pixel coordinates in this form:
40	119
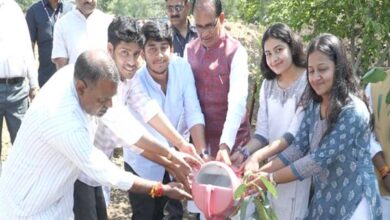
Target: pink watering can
213	189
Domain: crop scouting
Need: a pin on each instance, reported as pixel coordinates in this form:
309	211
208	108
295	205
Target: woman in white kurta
279	114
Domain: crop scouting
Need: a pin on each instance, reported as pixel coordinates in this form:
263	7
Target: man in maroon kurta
220	68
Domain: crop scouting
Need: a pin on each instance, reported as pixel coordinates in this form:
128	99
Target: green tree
137	9
25	4
363	23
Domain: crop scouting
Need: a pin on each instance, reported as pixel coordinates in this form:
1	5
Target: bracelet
156	190
245	152
384	171
204	153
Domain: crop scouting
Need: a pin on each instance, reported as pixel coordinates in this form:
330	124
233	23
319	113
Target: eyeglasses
208	27
175	8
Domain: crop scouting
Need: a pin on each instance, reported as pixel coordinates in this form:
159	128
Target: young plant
259	198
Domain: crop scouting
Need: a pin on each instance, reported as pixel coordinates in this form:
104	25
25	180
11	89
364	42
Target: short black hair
283	33
93	65
123	28
156	31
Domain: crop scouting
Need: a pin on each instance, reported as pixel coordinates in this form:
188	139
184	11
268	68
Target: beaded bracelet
156	191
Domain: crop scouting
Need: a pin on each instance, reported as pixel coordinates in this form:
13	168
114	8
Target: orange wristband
384	171
156	190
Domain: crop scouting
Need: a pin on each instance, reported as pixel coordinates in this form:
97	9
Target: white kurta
74	34
278	114
54	144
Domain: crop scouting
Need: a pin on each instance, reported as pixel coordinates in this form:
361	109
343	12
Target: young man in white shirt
168	80
55	143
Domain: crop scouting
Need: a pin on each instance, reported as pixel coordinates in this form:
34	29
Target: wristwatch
204	153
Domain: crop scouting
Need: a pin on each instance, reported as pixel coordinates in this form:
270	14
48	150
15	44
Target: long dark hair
283	33
344	81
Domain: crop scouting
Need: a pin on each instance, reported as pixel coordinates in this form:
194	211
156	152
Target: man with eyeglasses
183	31
220	68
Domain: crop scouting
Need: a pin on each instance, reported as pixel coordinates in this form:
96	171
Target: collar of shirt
191	30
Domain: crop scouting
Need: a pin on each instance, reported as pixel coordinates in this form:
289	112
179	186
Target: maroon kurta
211	68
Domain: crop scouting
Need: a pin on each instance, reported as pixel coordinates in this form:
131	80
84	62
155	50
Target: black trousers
145	207
89	203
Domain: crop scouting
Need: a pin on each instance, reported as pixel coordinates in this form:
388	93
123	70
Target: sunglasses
175	8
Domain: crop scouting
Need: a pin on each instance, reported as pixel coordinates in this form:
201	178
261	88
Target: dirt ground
249	36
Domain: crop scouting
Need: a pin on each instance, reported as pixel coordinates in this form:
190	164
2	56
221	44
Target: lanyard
55	15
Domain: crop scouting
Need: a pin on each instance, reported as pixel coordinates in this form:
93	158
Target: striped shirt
132	94
54	144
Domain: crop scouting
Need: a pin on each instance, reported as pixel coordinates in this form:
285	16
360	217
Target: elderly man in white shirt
16	66
168	80
55	143
80	29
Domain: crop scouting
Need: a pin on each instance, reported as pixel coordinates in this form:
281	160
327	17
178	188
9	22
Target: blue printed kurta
340	164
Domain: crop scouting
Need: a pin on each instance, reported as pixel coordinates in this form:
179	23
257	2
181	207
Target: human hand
189	148
239	156
192	161
180	169
223	154
255	182
251	164
179	176
33	92
175	191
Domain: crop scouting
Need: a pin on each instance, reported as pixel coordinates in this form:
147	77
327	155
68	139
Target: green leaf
376	74
270	187
239	191
261	212
388	98
244	206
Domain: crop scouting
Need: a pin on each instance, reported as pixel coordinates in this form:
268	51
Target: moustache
175	16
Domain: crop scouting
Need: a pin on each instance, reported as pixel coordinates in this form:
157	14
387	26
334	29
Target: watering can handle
207	201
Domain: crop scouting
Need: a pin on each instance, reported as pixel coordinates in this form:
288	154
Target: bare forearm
141	185
284	175
198	137
271	150
253	145
150	144
163	161
272	166
161	123
60	62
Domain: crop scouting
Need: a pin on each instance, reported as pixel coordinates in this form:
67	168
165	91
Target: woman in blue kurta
332	144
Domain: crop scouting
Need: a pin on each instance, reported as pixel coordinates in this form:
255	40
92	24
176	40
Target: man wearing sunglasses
183	31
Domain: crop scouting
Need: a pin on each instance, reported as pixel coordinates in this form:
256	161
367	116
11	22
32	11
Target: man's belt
11	81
